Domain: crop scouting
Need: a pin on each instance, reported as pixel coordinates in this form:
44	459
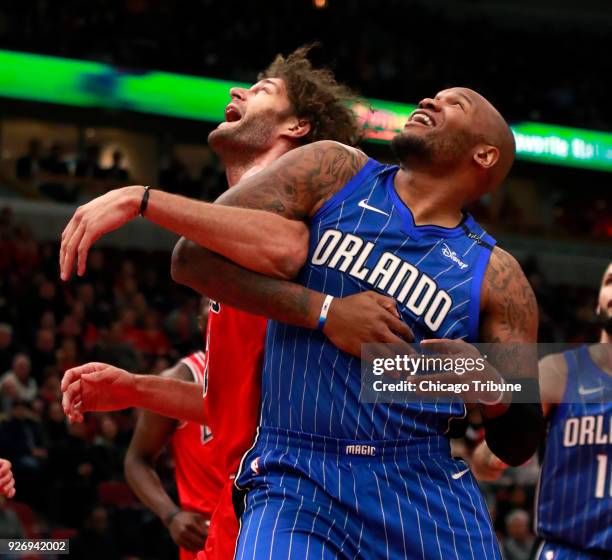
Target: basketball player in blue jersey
329	476
574	502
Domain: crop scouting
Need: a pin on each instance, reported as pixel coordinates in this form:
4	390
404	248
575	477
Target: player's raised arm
240	225
510	319
98	387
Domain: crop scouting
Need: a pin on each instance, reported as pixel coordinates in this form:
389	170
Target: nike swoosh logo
584	391
459	474
364	204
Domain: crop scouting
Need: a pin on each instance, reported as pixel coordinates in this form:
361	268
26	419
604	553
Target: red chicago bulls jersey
199	476
234	351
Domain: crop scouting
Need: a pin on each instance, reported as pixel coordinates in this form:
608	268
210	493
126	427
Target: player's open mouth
421	117
232	113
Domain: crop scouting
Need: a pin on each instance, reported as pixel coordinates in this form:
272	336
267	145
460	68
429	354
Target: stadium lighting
82	83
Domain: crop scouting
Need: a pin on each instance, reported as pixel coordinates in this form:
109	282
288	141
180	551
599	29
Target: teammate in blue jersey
574	502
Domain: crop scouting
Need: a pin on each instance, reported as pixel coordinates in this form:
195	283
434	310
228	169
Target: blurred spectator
153	340
96	541
89	165
55	163
10	526
56	169
29	164
43	354
174	176
19	377
116	174
54	425
71	472
7	346
519	542
113	349
107	455
22	443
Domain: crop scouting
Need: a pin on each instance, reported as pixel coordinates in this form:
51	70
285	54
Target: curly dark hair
317	97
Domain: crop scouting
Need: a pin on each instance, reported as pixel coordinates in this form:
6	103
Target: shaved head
458	131
494	130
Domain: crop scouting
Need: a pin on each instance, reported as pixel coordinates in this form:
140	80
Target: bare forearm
145	483
258	240
222	280
173	398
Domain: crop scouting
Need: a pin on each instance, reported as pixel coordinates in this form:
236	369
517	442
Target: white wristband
324	310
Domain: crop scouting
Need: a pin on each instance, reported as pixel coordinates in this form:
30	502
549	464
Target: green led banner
91	84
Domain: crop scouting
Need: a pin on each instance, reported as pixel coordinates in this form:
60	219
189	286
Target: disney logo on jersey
416	291
450	254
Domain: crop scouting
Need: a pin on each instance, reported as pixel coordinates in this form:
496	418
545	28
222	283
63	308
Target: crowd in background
392	49
127	311
76	178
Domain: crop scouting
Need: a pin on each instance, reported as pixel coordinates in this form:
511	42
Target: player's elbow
133	464
288	256
184	263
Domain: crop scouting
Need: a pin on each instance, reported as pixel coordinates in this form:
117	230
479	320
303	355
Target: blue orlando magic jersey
575	490
364	238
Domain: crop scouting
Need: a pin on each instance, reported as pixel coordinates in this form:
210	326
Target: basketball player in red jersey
199	479
291	105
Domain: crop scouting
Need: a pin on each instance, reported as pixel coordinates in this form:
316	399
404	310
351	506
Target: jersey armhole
480	267
342	194
191	368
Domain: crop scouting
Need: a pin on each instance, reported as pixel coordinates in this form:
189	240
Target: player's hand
480	370
485	465
363	318
7	482
189	530
91	221
96	387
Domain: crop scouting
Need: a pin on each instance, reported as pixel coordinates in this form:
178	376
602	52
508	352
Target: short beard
432	149
251	137
604	320
411	148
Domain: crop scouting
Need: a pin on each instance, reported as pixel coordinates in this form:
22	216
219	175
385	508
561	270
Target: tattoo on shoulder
299	182
511	307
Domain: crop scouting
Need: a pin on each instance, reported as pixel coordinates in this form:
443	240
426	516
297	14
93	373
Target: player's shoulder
341	154
180	371
506	288
502	261
504	272
552	370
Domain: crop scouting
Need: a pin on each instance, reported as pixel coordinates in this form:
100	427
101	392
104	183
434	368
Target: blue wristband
324	310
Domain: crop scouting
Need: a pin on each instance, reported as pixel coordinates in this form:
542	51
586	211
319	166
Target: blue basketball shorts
305	496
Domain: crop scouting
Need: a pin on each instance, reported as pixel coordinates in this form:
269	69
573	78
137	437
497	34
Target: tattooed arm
509	319
261	232
297	191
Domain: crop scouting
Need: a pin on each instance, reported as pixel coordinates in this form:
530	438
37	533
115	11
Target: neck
605	338
237	168
432	199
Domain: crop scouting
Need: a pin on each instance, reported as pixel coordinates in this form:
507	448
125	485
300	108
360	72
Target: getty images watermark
481	373
423	365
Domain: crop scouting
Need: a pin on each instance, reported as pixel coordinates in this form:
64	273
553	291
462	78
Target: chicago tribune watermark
485	373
